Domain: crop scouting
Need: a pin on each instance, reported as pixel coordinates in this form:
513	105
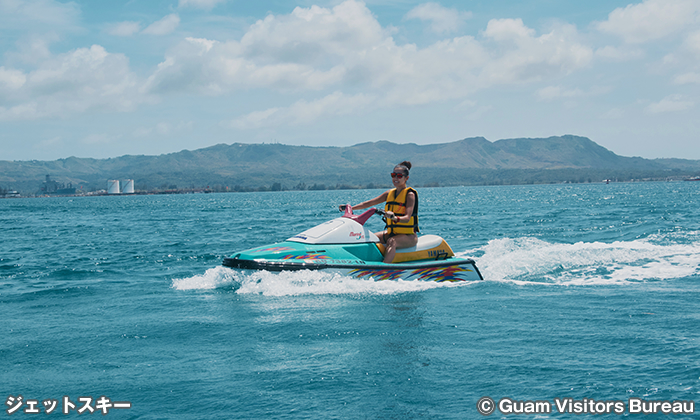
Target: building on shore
113	187
57	188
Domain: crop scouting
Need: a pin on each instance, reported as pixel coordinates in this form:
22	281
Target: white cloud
687	78
613	114
164	26
124	28
44	15
555	92
33	25
75	82
692	43
671	103
508	30
163	129
519	56
651	19
11	80
442	20
346	49
478	113
25	111
551	93
256	119
97	139
619	54
303	112
32	50
200	4
208	67
314	35
52	142
341	54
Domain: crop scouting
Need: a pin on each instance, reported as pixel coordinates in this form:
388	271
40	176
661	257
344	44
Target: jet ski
345	245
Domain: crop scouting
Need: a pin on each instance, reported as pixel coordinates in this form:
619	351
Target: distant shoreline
246	167
262	189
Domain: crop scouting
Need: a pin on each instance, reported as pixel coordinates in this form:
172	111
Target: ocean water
591	293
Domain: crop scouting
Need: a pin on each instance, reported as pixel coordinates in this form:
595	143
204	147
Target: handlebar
344	207
362	218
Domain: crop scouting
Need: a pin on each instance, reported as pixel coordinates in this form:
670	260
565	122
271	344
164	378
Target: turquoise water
591	292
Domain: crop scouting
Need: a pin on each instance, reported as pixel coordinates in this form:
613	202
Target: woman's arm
372	202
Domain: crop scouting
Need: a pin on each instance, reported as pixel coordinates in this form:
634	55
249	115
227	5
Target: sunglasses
395	175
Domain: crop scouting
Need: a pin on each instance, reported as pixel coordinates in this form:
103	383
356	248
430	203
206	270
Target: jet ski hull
345	246
341	259
452	271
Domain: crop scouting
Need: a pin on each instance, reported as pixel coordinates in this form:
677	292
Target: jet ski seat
428	247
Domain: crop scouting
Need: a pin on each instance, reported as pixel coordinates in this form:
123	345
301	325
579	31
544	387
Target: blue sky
109	78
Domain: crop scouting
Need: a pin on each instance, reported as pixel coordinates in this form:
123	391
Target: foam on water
587	263
213	278
293	283
521	261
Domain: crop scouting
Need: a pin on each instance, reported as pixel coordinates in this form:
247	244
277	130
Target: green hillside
472	161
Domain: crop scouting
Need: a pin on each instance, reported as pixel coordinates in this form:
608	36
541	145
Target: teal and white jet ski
344	245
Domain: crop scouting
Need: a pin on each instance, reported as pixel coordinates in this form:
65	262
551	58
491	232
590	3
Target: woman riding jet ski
401	213
345	246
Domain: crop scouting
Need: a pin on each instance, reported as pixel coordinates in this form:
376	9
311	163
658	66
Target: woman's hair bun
405	163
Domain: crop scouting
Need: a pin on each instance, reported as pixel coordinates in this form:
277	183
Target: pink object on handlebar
362	218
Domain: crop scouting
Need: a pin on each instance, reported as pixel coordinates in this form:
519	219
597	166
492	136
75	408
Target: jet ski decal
385	274
274	249
438	274
312	257
441	274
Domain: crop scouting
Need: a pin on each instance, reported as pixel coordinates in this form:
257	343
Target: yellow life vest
397	205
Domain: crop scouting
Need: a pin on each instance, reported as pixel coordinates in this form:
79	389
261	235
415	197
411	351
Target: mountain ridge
242	166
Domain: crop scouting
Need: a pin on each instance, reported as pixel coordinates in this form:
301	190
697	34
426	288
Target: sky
100	79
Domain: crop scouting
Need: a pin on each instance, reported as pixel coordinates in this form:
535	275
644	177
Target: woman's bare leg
381	235
398	242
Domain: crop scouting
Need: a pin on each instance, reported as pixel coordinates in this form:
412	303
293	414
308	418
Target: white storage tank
128	187
113	186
